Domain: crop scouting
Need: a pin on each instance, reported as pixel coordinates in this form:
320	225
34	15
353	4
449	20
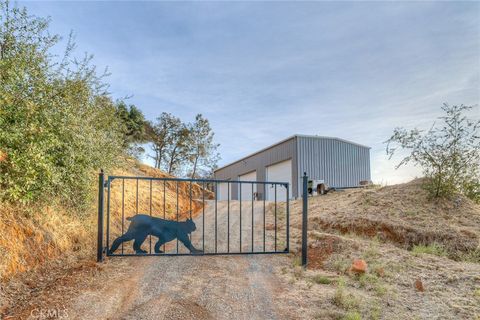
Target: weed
340	264
298	272
375	312
372	252
297	261
352	316
344	299
470	256
372	282
319	279
476	293
434	248
368	280
380	289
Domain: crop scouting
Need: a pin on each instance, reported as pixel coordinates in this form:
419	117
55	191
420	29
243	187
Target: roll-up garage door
279	172
247	187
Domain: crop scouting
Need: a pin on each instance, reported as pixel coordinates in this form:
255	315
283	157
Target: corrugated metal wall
341	164
259	161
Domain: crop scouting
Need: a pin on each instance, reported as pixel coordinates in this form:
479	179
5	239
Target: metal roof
287	139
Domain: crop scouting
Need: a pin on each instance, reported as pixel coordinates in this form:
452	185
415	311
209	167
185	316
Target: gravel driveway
194	287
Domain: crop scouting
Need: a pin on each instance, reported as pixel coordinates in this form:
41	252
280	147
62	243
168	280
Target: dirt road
199	287
185	288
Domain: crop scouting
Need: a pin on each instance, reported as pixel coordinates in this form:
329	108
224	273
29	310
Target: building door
279	172
246	188
224	191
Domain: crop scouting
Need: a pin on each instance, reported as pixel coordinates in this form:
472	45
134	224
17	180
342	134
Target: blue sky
262	71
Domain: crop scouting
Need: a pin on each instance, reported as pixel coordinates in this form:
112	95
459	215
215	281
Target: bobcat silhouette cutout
143	225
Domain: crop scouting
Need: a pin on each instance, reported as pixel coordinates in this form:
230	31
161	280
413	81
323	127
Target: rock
380	272
419	285
359	266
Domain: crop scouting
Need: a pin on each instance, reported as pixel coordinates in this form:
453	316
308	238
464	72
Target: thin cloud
262	71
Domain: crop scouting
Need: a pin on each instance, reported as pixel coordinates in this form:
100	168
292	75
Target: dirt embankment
400	214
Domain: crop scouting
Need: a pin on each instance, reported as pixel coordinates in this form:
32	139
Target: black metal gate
171	216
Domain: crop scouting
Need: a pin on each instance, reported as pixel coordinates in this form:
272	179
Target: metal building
340	163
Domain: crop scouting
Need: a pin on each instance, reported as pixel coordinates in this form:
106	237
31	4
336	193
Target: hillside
423	256
40	244
401	215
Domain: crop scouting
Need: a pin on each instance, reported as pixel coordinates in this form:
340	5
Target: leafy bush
448	154
57	124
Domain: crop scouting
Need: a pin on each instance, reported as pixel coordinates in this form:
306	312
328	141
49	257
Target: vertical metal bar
177	213
190	199
101	182
190	209
123	207
216	195
203	216
164	205
252	216
240	197
150	249
275	217
137	196
304	219
288	218
228	216
264	220
108	212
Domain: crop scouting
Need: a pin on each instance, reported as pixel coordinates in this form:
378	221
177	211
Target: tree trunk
156	159
172	160
194	171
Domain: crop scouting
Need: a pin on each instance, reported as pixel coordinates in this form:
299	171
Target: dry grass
28	240
400	214
403	237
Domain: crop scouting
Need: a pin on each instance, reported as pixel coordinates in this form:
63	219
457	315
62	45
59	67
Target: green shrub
57	124
352	316
319	279
433	248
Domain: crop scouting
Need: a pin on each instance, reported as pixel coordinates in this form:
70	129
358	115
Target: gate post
304	219
101	184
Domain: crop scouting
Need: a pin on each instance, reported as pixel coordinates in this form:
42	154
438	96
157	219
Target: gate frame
102	184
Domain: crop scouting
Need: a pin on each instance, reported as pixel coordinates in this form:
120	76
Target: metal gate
169	216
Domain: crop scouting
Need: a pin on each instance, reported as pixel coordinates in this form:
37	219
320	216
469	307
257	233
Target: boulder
359	266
